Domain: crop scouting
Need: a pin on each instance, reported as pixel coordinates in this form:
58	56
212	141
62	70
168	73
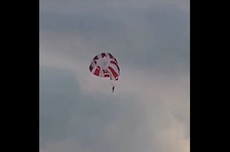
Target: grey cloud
65	113
150	38
83	23
55	104
97	122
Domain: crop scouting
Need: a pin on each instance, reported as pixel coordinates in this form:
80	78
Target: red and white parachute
105	65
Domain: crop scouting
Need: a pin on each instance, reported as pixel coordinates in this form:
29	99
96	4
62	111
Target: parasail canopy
105	65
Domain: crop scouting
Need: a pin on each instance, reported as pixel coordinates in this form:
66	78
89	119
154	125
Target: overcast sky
150	108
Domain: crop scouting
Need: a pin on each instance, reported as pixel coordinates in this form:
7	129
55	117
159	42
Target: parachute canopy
105	65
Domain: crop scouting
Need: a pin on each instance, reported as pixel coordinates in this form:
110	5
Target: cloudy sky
150	108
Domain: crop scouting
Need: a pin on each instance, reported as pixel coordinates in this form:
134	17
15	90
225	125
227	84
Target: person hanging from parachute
105	65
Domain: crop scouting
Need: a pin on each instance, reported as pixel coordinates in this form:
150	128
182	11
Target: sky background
150	108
